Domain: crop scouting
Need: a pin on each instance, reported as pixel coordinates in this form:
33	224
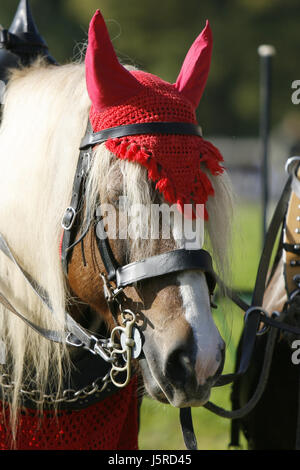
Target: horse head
143	152
183	352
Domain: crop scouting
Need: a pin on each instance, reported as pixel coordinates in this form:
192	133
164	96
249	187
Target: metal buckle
263	312
99	350
110	293
86	163
291	163
69	225
75	342
294	294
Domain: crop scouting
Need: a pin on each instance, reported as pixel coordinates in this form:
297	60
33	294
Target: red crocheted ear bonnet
174	162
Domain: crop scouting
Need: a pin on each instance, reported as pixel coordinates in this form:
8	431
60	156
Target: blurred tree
156	35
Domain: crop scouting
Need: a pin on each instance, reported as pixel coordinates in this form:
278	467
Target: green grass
160	426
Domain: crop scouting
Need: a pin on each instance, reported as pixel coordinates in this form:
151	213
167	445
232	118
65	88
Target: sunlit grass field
160	426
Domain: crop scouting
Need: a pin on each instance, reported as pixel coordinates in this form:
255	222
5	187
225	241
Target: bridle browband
167	128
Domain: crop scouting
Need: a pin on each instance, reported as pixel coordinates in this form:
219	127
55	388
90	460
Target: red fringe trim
200	190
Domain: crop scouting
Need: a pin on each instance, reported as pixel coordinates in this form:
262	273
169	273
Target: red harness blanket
111	424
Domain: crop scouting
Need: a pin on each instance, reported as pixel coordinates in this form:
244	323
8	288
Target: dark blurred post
266	53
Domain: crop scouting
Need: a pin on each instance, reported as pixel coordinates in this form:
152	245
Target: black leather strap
291	248
70	221
188	429
75	334
154	266
261	278
165	263
177	128
253	321
110	263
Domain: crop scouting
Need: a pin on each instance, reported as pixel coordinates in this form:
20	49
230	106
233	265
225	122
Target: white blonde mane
44	120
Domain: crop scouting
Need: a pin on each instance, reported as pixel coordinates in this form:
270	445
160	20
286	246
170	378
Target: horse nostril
180	367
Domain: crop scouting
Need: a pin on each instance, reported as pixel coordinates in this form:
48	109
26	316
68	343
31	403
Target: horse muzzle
174	378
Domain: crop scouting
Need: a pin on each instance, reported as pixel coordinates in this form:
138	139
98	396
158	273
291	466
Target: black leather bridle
173	261
180	260
170	262
177	260
149	268
159	265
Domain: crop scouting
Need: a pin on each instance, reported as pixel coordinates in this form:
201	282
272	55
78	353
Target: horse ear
192	78
108	82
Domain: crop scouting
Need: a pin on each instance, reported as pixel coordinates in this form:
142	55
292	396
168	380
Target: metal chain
129	347
68	396
97	386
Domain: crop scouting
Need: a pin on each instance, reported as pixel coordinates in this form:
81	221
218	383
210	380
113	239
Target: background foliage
156	35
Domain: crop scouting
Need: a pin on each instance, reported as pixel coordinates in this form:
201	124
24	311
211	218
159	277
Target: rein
257	315
125	342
